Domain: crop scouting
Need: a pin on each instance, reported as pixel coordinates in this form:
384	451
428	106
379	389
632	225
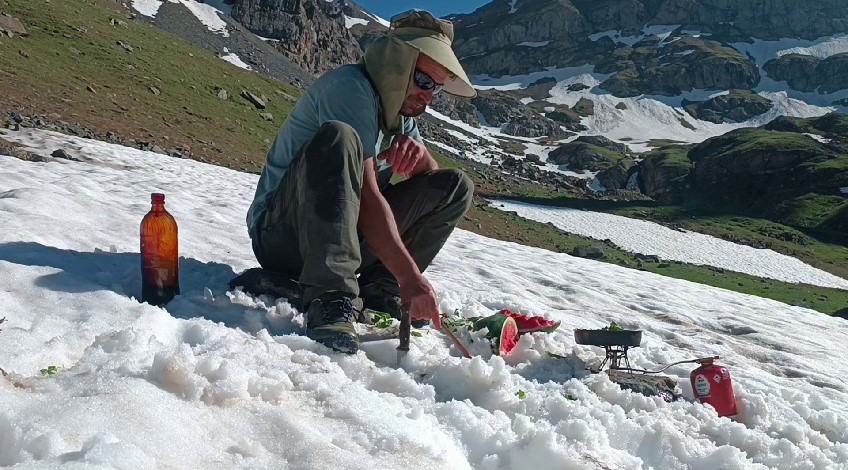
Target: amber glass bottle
160	269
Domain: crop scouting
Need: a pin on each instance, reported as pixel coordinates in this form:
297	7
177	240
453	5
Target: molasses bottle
160	269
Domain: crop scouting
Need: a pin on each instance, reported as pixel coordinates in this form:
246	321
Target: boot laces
339	310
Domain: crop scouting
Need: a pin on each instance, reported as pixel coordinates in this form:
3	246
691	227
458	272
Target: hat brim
442	53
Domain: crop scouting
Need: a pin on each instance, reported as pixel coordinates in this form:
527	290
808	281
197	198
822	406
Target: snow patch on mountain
235	60
645	117
514	82
660	31
351	22
817	138
822	48
147	7
207	12
823	101
763	51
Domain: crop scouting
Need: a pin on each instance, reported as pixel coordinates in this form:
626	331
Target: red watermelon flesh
508	338
528	324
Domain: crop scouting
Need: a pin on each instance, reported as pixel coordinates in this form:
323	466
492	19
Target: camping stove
615	343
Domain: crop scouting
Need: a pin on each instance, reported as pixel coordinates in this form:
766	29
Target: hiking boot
377	299
330	321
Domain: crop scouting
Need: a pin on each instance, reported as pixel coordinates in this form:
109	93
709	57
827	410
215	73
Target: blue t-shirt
344	94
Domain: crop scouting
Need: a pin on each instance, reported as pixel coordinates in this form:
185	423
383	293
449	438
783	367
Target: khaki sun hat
433	37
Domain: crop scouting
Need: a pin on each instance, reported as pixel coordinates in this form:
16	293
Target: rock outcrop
669	68
311	32
499	109
663	173
753	169
582	156
810	74
736	106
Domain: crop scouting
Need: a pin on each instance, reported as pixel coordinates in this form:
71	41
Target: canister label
702	385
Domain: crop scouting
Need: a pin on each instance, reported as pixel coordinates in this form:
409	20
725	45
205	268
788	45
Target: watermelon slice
508	338
528	324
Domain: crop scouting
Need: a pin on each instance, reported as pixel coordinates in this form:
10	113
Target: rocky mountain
313	33
649	46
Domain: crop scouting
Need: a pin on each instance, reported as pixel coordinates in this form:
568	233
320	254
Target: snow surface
219	379
512	8
649	238
844	190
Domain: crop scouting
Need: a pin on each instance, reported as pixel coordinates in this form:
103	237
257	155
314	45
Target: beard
413	109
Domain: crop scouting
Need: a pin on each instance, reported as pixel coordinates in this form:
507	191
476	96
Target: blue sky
387	8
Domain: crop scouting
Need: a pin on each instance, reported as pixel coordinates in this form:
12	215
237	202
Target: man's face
418	99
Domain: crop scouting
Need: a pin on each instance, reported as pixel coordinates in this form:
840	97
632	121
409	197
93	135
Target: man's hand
420	298
404	154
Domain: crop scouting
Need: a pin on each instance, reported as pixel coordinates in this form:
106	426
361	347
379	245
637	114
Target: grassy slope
56	81
231	133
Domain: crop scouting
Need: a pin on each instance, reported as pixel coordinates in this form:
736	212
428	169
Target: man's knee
331	130
458	184
336	138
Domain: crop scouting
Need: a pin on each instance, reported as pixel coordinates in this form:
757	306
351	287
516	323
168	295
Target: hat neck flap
390	63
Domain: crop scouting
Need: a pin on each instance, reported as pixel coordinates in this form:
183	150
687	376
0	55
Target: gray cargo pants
309	229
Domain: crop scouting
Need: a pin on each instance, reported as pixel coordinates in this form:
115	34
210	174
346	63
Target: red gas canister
712	385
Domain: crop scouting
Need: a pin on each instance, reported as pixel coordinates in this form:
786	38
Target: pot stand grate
616	358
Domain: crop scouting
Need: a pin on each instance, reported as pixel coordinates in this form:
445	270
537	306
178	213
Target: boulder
810	74
663	173
591	252
12	26
581	156
736	106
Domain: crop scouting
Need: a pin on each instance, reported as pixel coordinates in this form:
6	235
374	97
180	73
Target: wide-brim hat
433	37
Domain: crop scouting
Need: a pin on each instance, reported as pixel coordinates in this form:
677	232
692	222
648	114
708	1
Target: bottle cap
157	197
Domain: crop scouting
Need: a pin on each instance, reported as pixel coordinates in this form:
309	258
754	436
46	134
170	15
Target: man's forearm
381	234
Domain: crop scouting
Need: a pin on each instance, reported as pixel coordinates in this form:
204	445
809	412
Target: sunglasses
425	82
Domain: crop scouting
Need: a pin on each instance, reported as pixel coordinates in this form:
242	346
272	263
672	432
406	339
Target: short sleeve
353	102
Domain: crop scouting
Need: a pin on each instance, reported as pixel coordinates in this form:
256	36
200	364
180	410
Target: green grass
810	211
764	141
673	155
122	101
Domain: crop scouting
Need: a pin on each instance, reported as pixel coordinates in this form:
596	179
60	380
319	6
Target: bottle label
702	385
